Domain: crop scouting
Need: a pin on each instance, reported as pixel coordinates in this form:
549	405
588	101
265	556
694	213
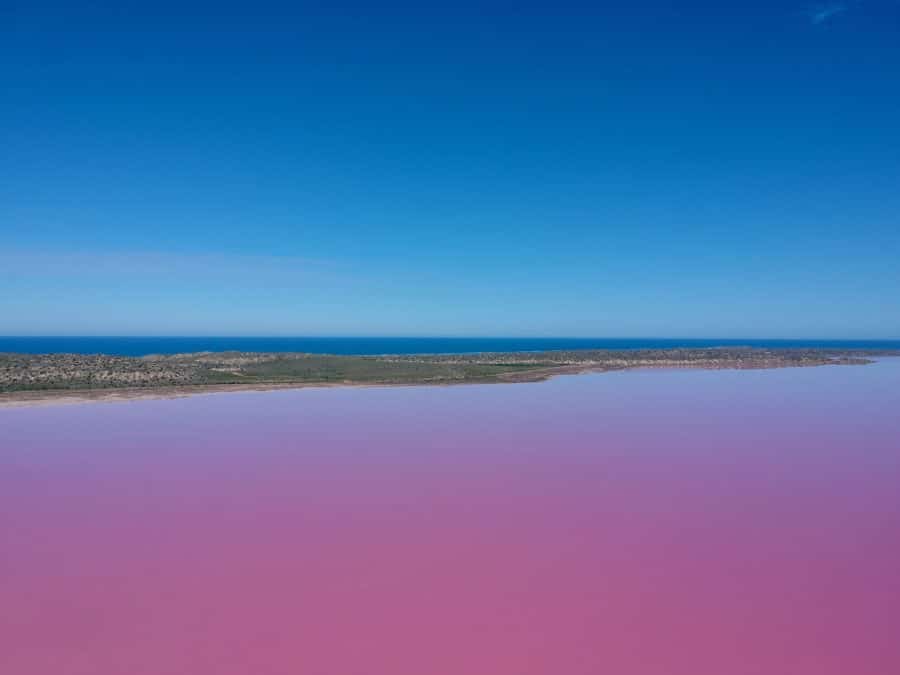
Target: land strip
27	379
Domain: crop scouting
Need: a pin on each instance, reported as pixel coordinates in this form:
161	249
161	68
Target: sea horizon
374	345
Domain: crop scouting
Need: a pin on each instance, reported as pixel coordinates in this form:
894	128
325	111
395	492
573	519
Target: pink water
646	523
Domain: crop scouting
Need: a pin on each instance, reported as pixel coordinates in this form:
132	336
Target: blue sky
268	168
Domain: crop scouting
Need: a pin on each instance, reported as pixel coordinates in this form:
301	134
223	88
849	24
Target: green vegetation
363	369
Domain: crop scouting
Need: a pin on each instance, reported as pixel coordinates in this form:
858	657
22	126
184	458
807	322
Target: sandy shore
77	396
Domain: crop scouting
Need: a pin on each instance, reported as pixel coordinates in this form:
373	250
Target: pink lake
642	523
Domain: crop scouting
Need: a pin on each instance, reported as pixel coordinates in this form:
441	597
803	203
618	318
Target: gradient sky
660	169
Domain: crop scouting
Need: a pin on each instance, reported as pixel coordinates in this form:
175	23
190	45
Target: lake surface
141	346
636	523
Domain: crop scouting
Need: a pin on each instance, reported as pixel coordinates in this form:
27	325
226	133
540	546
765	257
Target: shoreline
41	398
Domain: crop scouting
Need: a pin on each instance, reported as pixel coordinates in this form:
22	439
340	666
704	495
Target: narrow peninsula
27	379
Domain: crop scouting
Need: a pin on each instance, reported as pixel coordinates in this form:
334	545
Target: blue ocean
140	346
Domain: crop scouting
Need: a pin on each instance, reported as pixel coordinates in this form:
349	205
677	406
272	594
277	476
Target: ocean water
141	346
635	523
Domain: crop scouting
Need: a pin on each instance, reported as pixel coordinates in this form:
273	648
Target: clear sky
638	169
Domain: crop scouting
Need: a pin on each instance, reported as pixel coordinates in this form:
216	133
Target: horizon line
437	337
